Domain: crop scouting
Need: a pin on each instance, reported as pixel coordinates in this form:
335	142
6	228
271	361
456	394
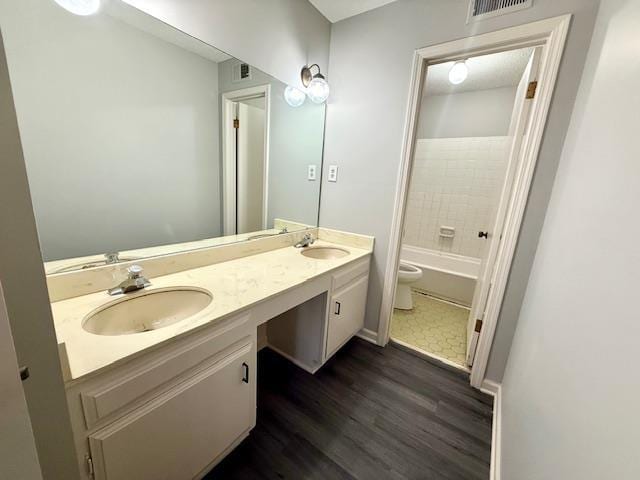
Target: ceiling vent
241	72
482	9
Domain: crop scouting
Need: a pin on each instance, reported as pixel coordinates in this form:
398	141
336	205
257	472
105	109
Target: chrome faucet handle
111	258
135	271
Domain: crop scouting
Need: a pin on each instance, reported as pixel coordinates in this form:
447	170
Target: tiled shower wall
455	182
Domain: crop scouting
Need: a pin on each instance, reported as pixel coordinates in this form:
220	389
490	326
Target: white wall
455	182
571	388
119	128
276	36
365	121
482	113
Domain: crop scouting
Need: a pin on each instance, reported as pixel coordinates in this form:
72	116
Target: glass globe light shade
458	72
80	7
294	96
318	90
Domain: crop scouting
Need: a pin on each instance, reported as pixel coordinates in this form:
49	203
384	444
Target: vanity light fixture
294	96
458	72
317	86
80	7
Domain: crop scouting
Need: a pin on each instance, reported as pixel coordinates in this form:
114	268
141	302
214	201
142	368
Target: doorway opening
467	264
245	160
466	150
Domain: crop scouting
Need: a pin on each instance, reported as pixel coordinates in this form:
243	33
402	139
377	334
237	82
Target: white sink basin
324	253
147	311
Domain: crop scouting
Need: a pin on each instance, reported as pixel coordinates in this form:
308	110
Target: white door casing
550	34
229	105
519	120
18	456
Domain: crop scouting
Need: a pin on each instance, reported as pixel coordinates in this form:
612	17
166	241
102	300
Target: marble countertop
235	285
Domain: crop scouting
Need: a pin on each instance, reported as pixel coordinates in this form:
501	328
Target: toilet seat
408	273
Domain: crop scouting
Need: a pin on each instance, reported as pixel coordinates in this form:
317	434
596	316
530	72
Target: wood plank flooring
369	413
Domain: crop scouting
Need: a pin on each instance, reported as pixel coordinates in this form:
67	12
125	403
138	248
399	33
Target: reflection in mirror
140	140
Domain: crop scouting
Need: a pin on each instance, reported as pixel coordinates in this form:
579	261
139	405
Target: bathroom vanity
169	402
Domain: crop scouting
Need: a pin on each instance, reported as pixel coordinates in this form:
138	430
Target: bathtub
444	275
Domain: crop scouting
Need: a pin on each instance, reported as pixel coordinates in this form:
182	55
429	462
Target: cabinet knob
337	309
483	234
245	375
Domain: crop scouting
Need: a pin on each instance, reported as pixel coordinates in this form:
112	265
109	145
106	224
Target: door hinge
531	89
478	326
236	123
90	466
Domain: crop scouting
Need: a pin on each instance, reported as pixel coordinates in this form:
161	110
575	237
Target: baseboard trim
307	368
495	389
368	335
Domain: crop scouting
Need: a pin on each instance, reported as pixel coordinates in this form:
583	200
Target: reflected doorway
245	162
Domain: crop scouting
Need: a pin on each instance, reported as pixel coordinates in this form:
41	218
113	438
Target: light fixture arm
306	75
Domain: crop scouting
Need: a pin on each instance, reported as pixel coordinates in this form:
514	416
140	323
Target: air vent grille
241	71
480	9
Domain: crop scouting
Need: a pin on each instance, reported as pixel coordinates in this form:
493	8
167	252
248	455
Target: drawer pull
337	309
245	375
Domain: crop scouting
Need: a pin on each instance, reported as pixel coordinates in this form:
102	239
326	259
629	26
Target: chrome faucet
305	242
111	257
134	282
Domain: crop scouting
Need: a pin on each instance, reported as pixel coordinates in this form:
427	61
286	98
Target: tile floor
437	327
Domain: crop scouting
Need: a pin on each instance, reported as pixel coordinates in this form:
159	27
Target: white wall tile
455	182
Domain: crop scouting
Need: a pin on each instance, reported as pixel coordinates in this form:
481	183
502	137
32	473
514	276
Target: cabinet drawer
153	372
346	314
345	275
180	433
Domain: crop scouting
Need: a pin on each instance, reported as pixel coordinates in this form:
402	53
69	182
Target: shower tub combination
447	276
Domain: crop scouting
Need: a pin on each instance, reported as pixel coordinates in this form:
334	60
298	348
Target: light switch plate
311	172
333	173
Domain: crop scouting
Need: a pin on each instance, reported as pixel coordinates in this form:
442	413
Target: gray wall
296	141
365	121
119	129
25	289
482	113
571	388
276	36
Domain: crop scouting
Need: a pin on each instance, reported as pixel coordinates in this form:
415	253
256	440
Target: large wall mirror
141	140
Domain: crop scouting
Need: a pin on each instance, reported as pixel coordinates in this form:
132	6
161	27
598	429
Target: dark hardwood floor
369	413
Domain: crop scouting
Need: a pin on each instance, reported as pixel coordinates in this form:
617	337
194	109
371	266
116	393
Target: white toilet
407	275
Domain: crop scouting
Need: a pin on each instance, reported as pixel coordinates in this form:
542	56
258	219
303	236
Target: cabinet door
178	434
346	315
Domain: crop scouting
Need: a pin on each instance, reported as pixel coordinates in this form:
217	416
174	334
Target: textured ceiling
497	70
336	10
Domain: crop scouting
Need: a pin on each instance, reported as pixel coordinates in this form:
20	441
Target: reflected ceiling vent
241	72
481	9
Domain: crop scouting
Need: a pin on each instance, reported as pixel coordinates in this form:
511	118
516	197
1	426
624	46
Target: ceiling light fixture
458	72
80	7
294	96
317	86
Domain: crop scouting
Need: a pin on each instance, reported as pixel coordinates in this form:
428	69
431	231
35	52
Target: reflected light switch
311	172
333	173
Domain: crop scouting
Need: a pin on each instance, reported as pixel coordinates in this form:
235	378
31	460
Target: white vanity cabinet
176	409
170	414
313	331
347	305
178	434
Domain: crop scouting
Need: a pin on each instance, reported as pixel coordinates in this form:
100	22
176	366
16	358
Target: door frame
229	154
19	454
550	34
